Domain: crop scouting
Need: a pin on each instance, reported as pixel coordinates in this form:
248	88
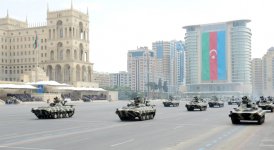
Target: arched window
58	74
60	51
68	54
59	29
49	72
52	55
81	31
67	73
81	52
75	54
78	71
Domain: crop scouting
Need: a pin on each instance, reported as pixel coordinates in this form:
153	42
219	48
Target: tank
234	101
171	102
136	110
57	109
247	111
266	104
215	102
196	103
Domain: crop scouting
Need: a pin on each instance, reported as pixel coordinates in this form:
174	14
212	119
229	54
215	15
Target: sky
117	26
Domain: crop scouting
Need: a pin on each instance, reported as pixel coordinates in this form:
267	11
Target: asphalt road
95	126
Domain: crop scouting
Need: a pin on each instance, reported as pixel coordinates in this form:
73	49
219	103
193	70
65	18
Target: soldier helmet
262	97
244	97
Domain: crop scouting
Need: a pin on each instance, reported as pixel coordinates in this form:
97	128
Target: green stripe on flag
205	56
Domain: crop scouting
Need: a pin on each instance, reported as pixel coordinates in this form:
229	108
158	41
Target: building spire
87	10
47	7
26	19
71	5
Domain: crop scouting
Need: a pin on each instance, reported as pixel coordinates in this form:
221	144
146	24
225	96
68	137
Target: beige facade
268	73
257	77
141	68
63	48
103	79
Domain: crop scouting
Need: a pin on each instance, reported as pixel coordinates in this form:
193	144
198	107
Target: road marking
215	141
267	145
50	135
30	148
127	141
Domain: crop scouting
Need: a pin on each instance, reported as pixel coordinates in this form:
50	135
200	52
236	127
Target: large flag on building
35	44
214	56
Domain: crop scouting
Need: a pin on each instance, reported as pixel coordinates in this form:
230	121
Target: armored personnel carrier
137	110
266	104
57	109
171	102
234	101
247	111
215	101
196	103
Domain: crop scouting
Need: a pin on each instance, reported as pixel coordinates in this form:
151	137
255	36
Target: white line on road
127	141
267	145
30	148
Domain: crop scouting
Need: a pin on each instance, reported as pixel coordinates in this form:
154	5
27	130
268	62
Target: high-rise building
268	72
121	79
140	66
218	58
62	50
102	78
257	77
170	63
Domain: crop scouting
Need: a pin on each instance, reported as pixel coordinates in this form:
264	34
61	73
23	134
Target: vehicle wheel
55	116
272	109
189	109
235	120
142	117
261	120
66	115
71	113
147	116
151	116
60	115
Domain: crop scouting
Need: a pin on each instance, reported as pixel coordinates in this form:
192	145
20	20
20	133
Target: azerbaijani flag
214	56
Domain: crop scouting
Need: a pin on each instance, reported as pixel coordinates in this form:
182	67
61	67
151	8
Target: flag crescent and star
214	56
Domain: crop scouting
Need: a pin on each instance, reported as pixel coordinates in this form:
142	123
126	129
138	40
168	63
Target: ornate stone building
62	52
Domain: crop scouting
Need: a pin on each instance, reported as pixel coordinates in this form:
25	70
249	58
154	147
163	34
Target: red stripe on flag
213	55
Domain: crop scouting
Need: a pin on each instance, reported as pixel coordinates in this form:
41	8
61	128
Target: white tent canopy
16	86
80	89
51	83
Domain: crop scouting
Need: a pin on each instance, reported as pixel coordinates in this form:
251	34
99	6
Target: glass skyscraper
218	58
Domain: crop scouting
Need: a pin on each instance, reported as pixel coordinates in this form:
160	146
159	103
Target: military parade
136	75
